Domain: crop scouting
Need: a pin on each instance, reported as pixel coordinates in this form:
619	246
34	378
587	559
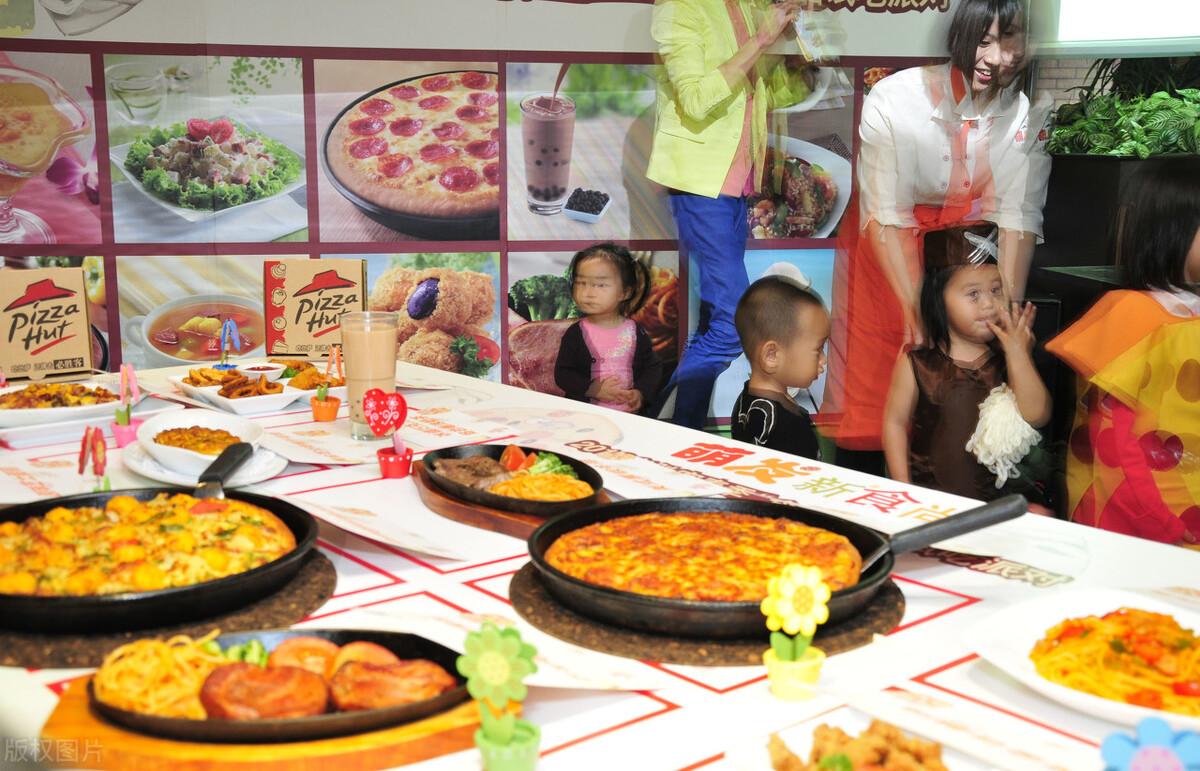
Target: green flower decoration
496	664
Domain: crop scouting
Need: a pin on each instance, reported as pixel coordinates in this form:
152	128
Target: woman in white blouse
942	145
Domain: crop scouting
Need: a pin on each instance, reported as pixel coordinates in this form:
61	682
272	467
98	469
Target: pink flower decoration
72	177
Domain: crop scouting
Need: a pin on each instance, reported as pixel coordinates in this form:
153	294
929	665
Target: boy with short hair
783	327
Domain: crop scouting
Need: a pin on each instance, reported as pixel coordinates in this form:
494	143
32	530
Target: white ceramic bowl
188	461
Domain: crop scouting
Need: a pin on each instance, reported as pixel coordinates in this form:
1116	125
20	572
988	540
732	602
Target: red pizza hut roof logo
39	291
41	328
323	314
326	279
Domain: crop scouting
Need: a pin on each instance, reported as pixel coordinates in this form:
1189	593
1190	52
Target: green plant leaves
1141	126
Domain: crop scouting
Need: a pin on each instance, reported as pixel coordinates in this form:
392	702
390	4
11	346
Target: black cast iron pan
504	502
406	646
708	620
139	610
479	227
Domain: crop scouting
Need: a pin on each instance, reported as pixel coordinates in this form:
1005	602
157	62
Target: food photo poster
540	309
409	150
47	150
206	148
449	305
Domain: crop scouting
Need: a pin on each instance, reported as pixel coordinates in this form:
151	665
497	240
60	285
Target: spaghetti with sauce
1129	655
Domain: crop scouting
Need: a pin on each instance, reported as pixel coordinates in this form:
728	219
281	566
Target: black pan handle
229	461
1000	510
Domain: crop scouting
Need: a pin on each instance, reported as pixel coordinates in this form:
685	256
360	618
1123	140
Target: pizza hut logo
890	6
40	317
323	301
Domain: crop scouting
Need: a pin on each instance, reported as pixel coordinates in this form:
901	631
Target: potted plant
496	663
1130	113
796	603
324	406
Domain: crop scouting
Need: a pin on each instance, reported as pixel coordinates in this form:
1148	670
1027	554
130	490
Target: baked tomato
512	457
488	348
1146	698
312	653
1187	688
360	650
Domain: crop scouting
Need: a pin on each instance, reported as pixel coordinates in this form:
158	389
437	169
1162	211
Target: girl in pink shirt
606	357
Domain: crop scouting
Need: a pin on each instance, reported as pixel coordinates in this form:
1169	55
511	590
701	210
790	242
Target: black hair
634	274
1157	224
971	22
767	311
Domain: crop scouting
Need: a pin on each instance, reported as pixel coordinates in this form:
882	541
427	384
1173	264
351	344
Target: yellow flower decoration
796	601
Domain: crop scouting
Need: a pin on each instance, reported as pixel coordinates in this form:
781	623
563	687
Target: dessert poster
594	135
449	306
206	149
48	142
410	150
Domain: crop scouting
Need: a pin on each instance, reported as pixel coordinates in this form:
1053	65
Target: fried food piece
244	691
293	363
782	758
207	376
241	387
882	746
430	349
362	651
315	654
362	685
311	377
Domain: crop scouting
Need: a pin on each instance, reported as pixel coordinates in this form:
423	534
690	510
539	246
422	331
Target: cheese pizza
710	555
427	146
137	546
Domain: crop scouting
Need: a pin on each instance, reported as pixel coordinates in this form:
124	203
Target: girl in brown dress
974	345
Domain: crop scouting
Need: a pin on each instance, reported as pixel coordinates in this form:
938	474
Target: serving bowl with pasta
187	441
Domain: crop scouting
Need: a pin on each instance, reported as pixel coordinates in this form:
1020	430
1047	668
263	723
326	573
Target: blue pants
712	235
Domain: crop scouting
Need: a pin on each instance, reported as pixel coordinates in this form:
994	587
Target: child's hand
1015	330
608	390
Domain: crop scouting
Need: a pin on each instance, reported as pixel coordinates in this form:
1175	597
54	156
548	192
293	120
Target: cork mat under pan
534	604
308	590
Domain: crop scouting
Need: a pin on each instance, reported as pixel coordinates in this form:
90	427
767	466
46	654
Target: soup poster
58	202
165	322
187	134
450	303
436	121
540	310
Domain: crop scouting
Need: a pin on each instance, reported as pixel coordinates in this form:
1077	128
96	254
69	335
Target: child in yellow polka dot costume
1134	460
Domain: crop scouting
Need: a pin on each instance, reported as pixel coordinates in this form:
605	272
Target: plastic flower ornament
496	664
1155	746
796	601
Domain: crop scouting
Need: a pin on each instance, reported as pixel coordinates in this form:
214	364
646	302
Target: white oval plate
837	166
1006	639
263	465
32	416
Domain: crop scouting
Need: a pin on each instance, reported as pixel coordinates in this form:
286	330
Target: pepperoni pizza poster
540	309
206	149
410	150
54	191
449	306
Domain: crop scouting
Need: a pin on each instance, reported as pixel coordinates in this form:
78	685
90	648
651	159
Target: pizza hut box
44	312
303	303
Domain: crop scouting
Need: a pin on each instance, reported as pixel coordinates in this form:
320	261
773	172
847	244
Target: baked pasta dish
206	441
45	395
710	555
137	546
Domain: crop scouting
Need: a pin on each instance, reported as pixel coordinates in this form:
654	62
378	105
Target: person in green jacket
714	91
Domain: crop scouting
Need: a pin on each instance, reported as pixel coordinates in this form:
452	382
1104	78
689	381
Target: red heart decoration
384	411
